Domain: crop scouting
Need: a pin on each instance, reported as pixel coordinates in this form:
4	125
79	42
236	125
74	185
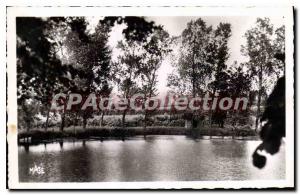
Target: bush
112	122
177	123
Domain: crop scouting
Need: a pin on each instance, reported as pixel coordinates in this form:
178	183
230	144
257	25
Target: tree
27	113
91	56
220	56
154	51
125	71
38	69
260	49
128	67
176	83
58	36
239	85
195	56
202	57
279	45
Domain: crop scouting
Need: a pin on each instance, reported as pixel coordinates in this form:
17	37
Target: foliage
195	59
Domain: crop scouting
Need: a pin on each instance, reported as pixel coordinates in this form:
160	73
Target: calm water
158	158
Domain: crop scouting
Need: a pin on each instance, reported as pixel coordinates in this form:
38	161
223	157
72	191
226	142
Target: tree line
60	55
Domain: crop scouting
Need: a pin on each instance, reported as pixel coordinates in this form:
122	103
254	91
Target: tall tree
154	52
125	71
220	56
203	51
195	55
91	56
128	67
39	71
260	49
58	36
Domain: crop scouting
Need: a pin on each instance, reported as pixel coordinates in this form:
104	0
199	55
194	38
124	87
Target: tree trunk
84	122
28	126
102	117
145	120
47	119
74	123
145	123
193	80
145	114
211	110
259	99
123	118
62	125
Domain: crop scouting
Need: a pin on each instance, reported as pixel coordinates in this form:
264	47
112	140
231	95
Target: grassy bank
40	136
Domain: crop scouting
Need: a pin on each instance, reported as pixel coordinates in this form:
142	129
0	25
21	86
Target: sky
174	25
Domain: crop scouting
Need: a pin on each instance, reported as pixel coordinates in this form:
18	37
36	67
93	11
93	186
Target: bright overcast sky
176	24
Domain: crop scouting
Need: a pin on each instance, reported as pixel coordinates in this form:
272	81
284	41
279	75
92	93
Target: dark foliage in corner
274	116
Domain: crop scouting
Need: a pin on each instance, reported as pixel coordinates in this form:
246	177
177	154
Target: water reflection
157	158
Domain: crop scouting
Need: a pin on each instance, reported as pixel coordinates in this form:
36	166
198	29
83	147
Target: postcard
150	97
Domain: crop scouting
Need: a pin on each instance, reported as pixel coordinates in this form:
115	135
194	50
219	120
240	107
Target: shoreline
149	137
36	137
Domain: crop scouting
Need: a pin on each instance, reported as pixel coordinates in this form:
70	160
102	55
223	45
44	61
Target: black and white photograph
141	97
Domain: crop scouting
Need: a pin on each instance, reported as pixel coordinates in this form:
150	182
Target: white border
12	12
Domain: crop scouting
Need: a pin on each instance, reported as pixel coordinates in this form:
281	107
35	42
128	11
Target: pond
156	158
